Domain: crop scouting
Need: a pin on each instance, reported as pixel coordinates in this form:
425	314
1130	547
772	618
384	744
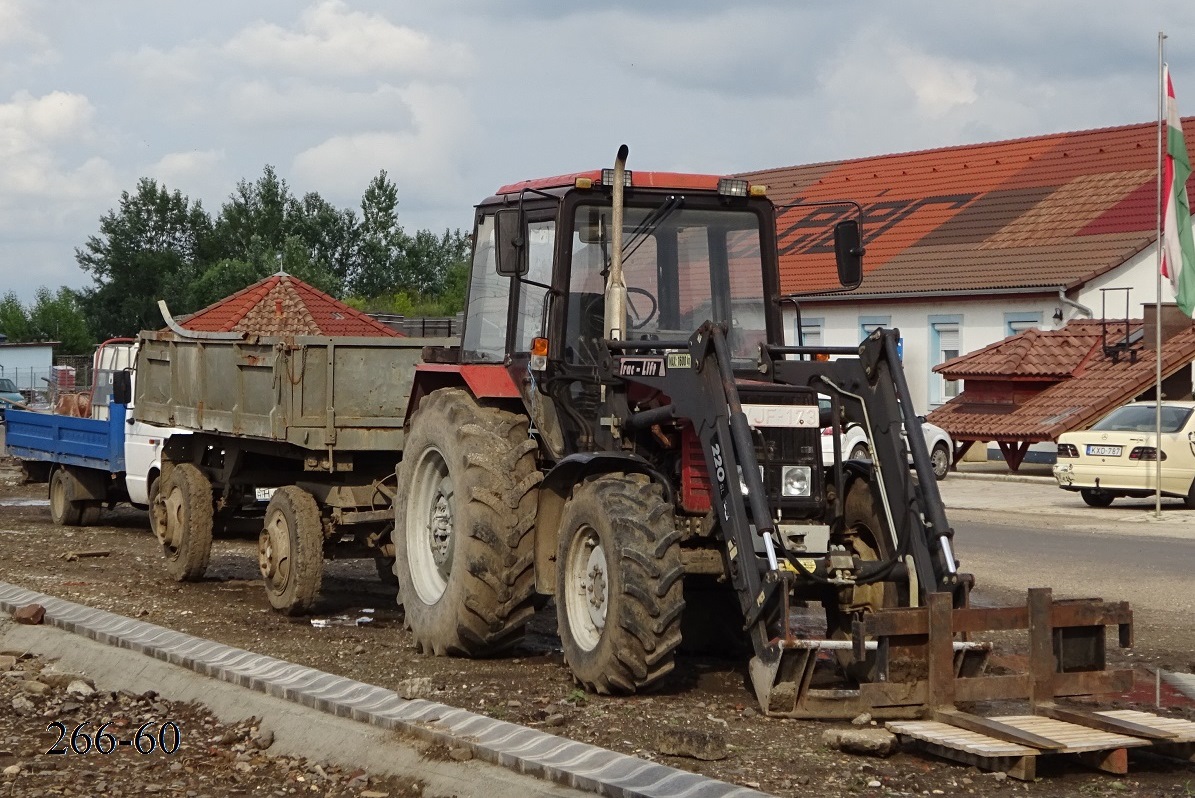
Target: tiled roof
285	305
1036	213
1086	383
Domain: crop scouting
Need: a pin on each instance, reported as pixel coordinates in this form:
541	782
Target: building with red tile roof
1034	386
967	245
284	305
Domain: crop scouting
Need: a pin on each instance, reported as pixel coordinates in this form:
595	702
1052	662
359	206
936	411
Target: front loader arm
870	387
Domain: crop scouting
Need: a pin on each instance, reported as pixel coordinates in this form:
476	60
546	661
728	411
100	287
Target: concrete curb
519	748
1003	477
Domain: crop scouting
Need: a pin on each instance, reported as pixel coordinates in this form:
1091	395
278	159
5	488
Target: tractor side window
489	294
541	242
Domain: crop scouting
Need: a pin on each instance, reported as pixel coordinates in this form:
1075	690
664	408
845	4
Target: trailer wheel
290	550
186	528
619	584
463	539
65	510
865	538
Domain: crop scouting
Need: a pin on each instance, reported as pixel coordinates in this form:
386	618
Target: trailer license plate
1104	451
264	494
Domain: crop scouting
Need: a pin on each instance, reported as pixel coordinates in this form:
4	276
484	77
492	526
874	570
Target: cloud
423	161
16	27
332	40
32	129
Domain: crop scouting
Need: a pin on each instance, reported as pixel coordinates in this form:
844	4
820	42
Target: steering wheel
655	306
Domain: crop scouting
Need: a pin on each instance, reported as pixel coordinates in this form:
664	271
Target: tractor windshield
682	266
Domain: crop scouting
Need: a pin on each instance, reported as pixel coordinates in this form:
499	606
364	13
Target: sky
454	98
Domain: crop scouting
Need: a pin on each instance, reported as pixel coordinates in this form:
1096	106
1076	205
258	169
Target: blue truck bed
52	438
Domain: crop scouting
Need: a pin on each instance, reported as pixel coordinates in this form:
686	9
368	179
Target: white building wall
26	364
982	321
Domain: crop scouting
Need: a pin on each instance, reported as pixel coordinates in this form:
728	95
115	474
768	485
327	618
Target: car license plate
1104	451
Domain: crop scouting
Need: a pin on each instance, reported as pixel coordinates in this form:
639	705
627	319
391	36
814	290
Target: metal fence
42	386
423	327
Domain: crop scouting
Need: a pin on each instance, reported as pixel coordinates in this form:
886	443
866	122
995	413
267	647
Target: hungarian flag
1178	246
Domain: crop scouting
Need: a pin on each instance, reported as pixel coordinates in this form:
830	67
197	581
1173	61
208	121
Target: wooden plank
1074	739
996	727
1104	722
964	740
1183	731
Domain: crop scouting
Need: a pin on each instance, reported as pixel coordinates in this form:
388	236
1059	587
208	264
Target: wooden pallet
1101	748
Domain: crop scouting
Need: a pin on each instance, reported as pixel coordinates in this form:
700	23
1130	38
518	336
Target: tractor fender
555	490
482	381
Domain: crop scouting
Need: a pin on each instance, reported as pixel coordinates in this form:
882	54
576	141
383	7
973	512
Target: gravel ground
60	735
708	699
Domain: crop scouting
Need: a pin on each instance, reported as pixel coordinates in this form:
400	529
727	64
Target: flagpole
1158	306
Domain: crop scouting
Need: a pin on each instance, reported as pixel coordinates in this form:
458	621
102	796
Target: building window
945	339
869	324
810	333
1019	322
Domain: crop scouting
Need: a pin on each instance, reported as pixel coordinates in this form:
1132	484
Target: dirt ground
530	686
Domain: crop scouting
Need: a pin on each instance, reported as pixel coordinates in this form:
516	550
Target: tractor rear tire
619	584
65	510
291	551
186	530
463	532
865	538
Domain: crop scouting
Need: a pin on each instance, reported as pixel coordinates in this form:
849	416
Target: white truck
89	462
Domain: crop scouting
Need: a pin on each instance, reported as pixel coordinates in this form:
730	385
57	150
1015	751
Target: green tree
14	320
377	269
58	317
146	250
263	225
429	259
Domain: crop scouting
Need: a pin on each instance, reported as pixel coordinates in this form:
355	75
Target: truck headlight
795	480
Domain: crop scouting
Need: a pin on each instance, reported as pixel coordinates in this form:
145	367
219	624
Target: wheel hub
439	529
170	530
273	551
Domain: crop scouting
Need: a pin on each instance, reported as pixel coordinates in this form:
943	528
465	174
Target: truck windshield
682	267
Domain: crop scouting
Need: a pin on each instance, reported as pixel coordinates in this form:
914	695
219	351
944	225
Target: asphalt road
1017	535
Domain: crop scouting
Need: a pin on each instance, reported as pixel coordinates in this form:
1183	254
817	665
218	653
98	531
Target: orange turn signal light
539	347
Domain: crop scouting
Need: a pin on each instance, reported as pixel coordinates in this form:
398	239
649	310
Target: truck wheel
463	540
157	508
865	538
186	527
939	460
290	550
619	584
64	509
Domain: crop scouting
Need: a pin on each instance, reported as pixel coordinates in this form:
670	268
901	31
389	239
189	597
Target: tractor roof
664	180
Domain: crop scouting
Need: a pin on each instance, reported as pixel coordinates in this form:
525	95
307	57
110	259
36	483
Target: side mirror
122	387
848	252
512	249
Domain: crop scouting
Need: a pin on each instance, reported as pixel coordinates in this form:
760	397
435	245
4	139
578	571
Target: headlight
795	481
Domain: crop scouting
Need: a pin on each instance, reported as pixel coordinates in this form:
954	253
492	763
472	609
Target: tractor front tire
619	584
186	522
864	537
290	551
463	526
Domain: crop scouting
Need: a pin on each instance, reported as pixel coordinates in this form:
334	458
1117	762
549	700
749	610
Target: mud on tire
186	531
619	584
463	541
291	551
